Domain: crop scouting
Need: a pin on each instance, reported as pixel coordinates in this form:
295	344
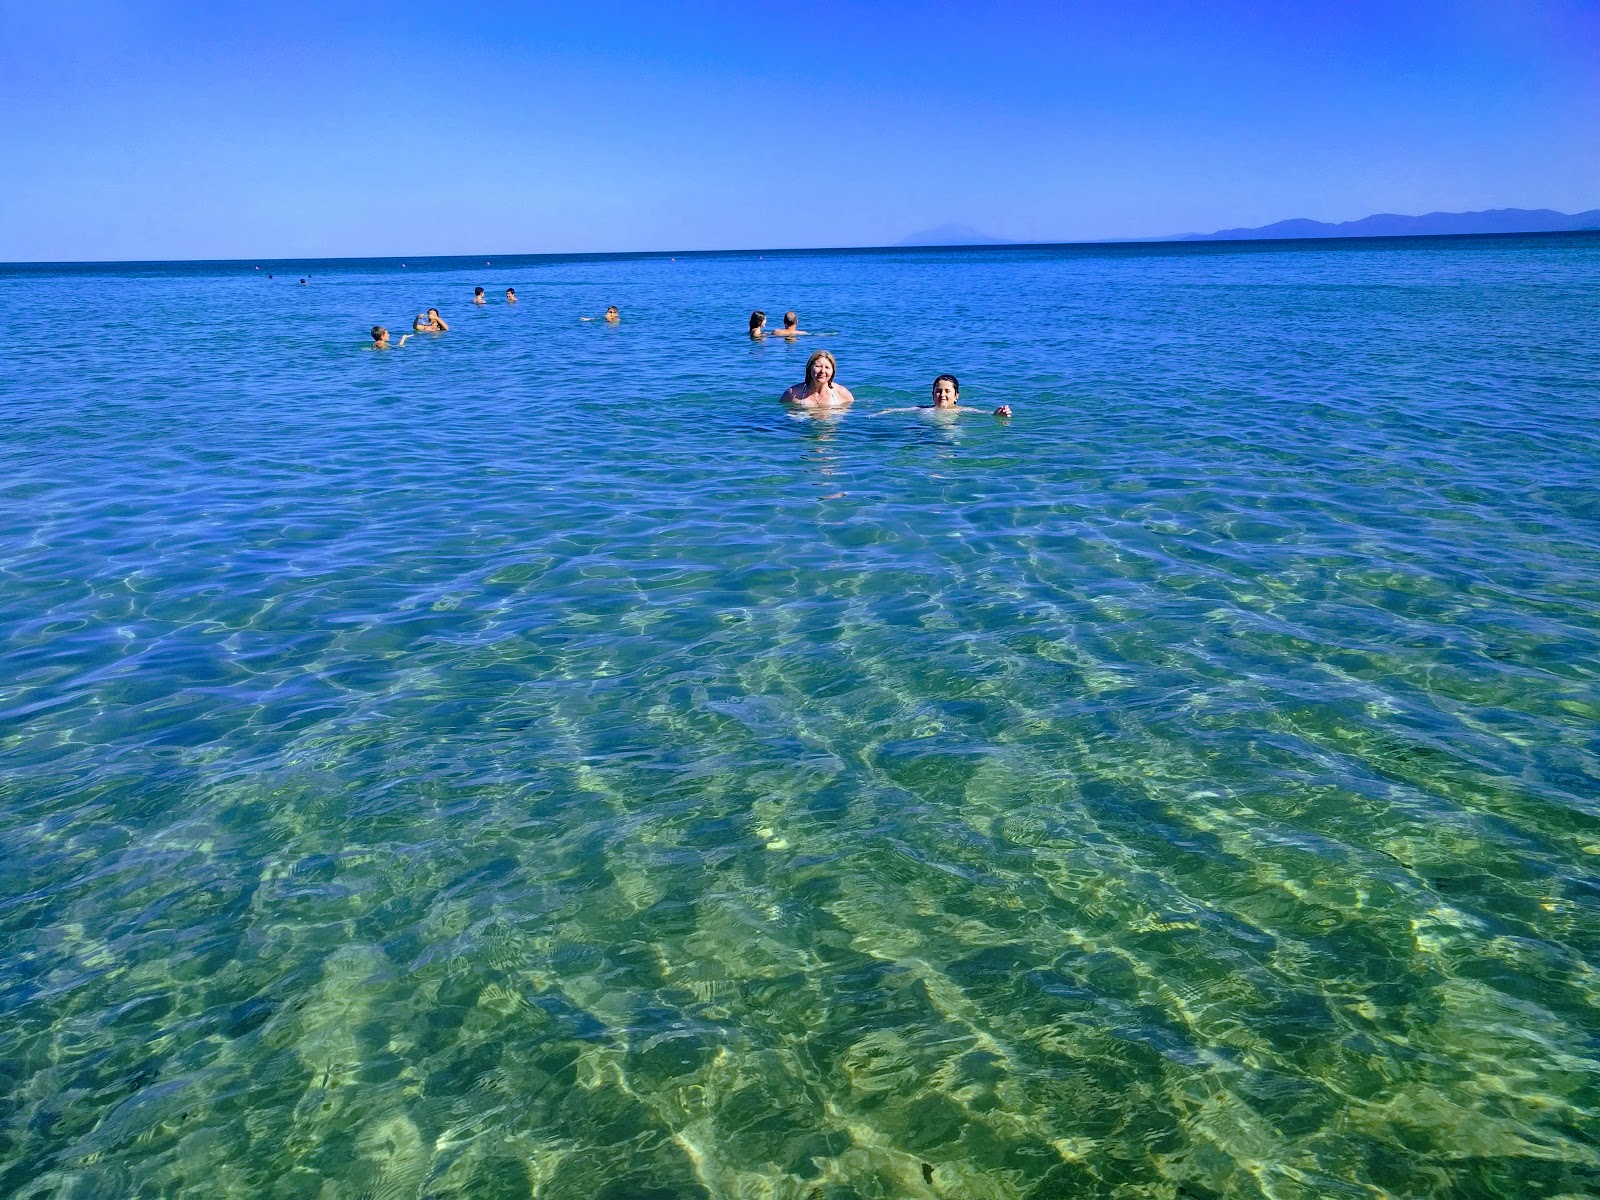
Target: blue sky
197	130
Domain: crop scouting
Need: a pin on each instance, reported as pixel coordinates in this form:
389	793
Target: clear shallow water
530	763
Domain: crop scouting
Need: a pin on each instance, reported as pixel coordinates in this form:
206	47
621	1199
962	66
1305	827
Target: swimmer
791	326
432	322
819	391
612	317
511	295
758	321
477	296
946	399
380	339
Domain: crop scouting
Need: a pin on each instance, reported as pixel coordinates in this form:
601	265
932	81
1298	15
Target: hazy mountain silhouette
1494	220
952	235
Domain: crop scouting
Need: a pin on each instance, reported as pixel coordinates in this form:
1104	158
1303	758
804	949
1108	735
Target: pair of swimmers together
428	322
819	393
791	326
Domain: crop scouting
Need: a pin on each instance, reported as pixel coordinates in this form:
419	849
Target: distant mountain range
1493	220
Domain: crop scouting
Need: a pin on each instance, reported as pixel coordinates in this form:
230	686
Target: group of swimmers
432	322
818	393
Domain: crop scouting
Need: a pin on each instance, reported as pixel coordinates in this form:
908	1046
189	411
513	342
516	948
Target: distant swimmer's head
433	314
946	391
820	369
511	295
791	320
757	320
380	334
477	291
611	314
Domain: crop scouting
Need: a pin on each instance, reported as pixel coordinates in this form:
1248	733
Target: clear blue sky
163	130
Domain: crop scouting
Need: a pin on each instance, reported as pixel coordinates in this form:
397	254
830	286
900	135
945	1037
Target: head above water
379	333
511	292
821	356
946	390
433	313
477	291
757	320
791	319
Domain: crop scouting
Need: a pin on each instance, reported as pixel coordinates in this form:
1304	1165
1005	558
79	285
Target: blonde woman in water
819	393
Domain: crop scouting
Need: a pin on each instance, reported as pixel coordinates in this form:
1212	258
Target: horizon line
1205	240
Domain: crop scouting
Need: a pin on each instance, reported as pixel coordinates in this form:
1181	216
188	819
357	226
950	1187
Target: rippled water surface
528	763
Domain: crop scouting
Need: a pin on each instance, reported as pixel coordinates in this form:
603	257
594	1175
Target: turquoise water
529	763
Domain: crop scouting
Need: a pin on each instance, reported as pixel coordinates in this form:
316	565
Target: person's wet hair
379	333
477	291
757	319
954	382
791	319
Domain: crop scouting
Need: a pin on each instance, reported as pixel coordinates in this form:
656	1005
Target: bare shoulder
849	396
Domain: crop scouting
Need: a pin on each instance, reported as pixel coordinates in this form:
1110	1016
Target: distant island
953	235
1493	220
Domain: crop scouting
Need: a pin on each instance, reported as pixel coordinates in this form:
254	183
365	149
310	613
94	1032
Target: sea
530	762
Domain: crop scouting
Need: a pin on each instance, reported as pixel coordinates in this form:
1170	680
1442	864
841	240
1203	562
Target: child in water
380	339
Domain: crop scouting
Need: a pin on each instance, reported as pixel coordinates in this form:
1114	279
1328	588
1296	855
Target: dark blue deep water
530	763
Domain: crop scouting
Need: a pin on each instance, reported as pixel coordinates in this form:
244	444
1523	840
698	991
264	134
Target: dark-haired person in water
819	393
380	339
477	296
758	320
791	326
511	295
947	399
612	317
432	322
